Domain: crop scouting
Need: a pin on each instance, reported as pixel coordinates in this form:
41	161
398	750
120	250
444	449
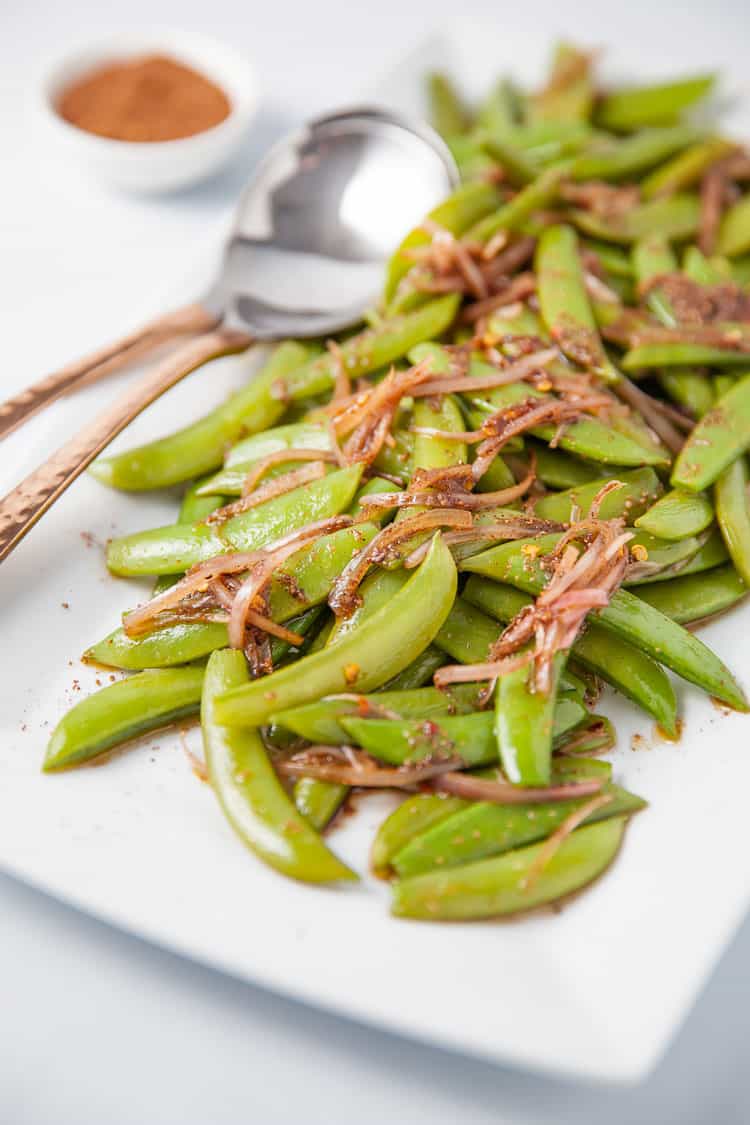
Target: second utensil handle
28	502
111	357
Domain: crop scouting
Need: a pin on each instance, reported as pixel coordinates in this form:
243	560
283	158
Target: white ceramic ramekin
161	165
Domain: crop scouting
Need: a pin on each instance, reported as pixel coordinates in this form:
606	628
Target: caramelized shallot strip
503	793
261	467
552	843
276	487
513	373
343	598
347	766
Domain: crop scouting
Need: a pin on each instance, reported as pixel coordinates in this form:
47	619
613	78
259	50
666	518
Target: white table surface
96	1026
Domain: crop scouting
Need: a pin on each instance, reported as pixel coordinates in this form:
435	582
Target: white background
96	1026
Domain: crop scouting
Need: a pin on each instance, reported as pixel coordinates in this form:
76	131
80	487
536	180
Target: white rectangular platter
594	991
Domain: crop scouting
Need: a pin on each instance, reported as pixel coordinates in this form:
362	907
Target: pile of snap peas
556	379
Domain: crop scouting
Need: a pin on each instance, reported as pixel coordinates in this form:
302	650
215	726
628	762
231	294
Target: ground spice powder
154	98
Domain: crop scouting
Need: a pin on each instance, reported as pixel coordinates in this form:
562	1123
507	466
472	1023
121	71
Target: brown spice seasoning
153	98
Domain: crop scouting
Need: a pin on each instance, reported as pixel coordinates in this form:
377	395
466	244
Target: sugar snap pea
733	514
654	104
564	302
677	515
123	711
675	217
634	154
695	596
408	820
469	737
199	448
720	438
640	488
166	550
734	232
686	169
504	884
251	795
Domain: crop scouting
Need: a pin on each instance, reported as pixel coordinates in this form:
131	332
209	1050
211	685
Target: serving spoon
313	229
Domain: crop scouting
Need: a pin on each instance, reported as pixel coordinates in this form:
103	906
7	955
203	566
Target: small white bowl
156	166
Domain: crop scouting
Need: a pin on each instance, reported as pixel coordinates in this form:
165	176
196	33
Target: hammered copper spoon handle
112	357
28	502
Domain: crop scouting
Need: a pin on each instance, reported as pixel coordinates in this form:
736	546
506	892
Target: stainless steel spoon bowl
321	215
313	230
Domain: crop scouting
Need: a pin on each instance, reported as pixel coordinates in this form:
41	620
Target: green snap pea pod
741	270
180	644
653	256
320	721
645	357
471	737
249	792
374	484
430	452
318	801
412	817
675	217
524	725
564	302
419	672
448	115
588	437
624	666
733	514
734	231
655	104
123	711
703	270
677	515
627	616
372	348
688	388
720	438
501	109
363	660
245	454
519	171
196	505
628	157
512	215
466	206
467	633
193	509
546	142
686	169
712	553
199	448
485	830
569	95
695	596
167	550
640	488
473	164
501	885
376	591
614	259
559	470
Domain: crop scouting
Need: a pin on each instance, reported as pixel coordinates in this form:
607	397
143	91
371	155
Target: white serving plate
595	991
